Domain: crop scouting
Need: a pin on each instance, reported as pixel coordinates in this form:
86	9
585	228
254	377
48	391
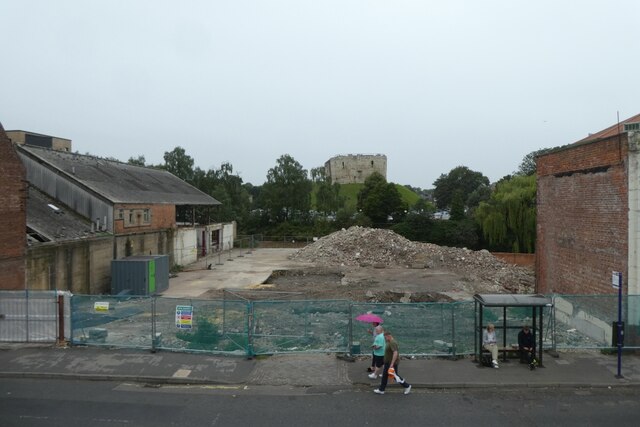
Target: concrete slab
244	270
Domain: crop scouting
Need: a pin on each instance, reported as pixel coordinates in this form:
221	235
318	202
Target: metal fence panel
200	325
299	326
421	328
28	316
118	321
586	321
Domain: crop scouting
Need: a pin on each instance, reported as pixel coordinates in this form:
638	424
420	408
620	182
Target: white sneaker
373	376
407	390
378	391
495	364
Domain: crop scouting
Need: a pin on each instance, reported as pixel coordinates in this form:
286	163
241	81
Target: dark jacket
525	340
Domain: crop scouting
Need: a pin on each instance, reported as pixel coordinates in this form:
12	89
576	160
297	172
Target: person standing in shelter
391	361
372	331
378	352
526	346
490	343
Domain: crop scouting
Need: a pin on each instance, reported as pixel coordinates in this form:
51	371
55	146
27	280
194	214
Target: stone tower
355	168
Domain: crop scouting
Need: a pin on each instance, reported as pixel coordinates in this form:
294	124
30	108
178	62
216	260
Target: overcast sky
430	84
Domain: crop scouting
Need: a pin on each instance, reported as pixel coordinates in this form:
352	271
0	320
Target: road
29	402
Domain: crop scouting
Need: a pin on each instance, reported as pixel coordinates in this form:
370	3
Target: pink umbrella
369	318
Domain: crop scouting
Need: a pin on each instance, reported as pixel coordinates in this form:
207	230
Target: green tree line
293	201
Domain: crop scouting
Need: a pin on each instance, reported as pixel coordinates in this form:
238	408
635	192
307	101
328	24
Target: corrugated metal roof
120	182
53	221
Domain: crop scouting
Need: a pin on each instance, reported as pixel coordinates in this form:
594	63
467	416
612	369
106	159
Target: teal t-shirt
379	340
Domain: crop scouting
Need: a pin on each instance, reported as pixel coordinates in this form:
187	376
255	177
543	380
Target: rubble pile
362	246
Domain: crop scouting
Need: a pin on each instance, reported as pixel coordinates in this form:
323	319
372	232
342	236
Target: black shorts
378	361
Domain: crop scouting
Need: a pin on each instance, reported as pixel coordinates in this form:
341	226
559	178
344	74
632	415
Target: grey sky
431	84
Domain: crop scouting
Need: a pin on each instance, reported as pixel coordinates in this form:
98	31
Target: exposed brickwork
162	218
13	211
582	217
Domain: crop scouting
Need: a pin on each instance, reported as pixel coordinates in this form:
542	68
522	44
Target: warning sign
184	316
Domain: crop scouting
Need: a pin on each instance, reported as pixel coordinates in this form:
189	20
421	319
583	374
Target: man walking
391	361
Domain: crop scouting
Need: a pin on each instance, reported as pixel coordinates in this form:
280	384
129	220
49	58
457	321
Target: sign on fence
101	307
184	316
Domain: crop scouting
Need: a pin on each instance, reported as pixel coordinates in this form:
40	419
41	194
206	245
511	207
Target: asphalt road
29	402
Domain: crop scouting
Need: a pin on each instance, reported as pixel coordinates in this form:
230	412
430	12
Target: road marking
182	373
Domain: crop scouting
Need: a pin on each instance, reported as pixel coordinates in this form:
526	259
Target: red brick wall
13	214
162	217
523	260
582	217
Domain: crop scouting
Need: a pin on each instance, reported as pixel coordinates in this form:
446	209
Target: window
146	216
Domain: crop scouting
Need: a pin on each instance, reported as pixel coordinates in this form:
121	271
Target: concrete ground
236	270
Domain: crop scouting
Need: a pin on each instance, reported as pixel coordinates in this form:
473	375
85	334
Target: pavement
570	369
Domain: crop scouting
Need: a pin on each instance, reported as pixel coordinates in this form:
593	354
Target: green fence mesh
586	321
420	328
250	327
111	321
299	326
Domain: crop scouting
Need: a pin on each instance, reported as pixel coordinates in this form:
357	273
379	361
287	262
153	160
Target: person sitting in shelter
526	347
490	343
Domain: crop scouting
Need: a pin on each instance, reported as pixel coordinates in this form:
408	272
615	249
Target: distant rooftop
611	130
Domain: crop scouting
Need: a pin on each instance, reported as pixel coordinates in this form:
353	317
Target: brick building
588	213
13	196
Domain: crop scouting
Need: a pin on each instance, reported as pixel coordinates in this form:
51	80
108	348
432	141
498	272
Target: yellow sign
101	307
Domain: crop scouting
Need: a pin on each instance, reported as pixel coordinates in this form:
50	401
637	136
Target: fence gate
29	316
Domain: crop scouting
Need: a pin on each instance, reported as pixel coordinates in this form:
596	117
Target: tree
529	162
378	200
328	198
508	219
459	178
139	161
287	192
457	206
179	163
318	174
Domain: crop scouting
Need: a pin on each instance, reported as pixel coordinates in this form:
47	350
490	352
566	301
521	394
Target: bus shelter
536	303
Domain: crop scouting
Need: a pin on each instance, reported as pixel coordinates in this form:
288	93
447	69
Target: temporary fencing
33	316
240	325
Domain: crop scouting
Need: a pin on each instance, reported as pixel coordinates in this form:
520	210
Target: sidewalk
570	369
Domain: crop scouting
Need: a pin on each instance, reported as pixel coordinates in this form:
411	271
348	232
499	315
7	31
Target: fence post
453	330
240	250
153	324
60	318
250	352
250	243
553	323
350	343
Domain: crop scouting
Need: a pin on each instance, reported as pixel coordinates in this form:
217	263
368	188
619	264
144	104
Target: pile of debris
361	246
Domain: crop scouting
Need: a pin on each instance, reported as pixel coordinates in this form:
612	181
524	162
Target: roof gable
611	130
